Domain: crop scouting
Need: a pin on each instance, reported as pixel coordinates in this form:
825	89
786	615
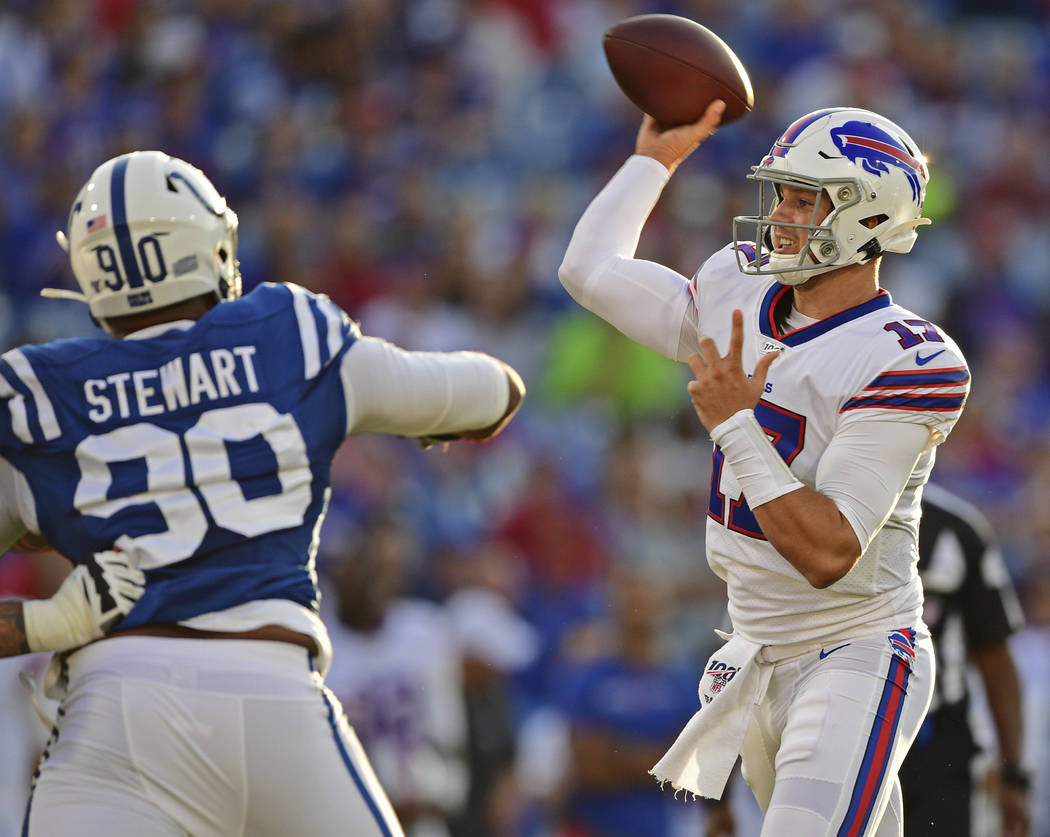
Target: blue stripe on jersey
920	378
118	202
323	329
384	826
768	327
936	403
321	324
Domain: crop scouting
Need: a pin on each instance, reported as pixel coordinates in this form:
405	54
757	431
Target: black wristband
1015	776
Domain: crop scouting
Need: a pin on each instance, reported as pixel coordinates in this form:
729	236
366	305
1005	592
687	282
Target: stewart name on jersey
870	362
209	444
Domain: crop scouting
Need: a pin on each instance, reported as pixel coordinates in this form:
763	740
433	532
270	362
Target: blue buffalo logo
875	151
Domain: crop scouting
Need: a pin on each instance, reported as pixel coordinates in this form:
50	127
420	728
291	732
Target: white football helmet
869	168
146	231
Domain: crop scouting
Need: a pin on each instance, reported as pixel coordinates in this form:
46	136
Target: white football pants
167	737
823	749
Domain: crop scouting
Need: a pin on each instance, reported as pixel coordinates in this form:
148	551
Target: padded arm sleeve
391	390
866	468
646	301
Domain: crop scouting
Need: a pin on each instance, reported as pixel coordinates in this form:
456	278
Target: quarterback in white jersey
194	454
826	402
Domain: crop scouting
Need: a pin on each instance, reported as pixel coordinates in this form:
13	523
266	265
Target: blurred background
519	626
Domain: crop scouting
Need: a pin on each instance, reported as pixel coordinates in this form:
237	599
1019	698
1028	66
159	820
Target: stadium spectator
397	670
624	706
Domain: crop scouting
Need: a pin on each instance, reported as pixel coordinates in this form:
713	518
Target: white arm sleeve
866	468
646	301
391	390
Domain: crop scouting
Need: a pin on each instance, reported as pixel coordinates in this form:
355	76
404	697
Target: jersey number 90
151	256
182	500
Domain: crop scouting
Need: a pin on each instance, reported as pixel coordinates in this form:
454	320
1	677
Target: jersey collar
160	328
804	335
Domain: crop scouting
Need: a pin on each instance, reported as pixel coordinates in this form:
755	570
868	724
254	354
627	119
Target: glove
89	602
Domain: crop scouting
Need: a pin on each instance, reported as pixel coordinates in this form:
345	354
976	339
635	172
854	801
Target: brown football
672	68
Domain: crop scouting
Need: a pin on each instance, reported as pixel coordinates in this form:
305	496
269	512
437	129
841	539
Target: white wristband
760	471
65	620
88	603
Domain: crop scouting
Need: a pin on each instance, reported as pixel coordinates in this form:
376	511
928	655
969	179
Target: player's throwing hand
672	145
721	387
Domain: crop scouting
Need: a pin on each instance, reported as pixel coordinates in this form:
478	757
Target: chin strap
62	293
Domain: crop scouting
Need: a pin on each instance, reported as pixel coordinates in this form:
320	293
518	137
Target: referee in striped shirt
971	609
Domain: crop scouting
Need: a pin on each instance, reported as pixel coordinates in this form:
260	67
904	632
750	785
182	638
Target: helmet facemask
820	251
871	172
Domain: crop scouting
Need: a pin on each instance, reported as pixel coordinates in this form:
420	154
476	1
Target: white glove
90	600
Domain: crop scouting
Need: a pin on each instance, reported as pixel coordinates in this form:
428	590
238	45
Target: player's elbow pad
572	277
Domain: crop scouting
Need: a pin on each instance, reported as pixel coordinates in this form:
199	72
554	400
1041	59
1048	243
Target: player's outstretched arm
515	396
646	301
439	396
87	604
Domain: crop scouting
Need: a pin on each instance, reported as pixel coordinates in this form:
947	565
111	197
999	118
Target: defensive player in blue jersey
202	440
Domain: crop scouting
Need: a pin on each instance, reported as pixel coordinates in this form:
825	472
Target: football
672	68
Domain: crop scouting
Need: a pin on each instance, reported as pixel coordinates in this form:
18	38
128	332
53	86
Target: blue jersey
637	706
210	446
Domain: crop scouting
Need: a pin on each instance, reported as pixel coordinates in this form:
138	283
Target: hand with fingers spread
722	388
671	146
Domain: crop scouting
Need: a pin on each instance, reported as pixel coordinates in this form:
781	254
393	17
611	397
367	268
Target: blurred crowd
545	598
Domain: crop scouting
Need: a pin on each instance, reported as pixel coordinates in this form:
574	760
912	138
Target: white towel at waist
703	755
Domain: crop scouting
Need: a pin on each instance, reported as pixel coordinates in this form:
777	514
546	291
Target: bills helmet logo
875	150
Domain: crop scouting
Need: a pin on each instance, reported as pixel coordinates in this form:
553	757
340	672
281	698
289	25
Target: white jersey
874	362
401	690
855	405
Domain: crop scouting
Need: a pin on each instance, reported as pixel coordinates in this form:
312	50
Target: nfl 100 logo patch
720	674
